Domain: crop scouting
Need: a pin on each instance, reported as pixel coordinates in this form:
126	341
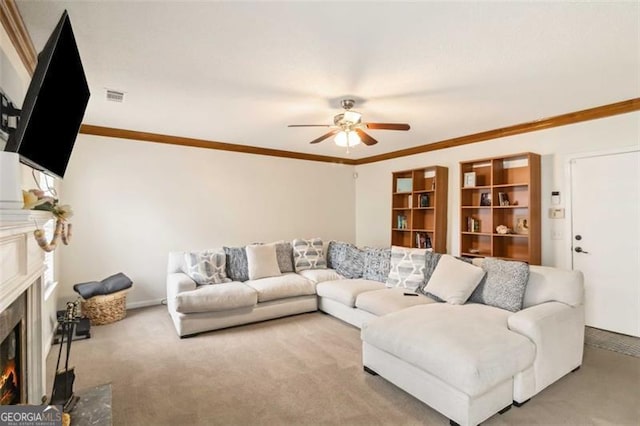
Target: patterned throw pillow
377	263
504	285
237	265
308	254
407	267
206	267
284	253
430	262
336	252
353	263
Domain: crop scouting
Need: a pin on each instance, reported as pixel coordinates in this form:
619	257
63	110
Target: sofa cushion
407	266
308	254
206	267
453	281
319	275
503	285
237	265
352	264
388	300
262	261
213	298
475	349
286	285
346	291
377	263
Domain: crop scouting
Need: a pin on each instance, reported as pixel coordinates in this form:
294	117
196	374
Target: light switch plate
556	213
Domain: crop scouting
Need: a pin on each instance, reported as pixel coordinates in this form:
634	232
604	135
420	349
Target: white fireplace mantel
21	269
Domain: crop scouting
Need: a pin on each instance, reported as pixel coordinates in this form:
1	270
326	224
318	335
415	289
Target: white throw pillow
407	267
262	261
453	281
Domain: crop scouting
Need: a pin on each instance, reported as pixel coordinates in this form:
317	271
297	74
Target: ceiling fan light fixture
347	139
352	117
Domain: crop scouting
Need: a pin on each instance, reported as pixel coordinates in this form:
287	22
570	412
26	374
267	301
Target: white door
605	200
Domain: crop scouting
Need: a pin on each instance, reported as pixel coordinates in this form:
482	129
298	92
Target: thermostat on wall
556	213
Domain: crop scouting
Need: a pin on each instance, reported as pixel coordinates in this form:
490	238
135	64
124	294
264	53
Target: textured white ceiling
239	72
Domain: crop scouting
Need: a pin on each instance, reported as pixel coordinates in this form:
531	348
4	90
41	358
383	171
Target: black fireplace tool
62	393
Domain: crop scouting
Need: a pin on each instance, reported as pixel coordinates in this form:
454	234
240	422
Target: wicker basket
106	309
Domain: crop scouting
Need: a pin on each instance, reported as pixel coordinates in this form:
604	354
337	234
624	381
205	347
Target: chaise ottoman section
458	359
281	287
216	297
388	300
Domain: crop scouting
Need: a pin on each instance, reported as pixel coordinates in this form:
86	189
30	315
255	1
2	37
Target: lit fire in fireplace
9	390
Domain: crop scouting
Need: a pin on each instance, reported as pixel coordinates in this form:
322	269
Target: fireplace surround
21	304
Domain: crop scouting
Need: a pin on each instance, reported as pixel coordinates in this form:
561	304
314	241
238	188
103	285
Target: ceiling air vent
115	96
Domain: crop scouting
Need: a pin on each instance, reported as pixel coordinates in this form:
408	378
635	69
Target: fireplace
22	349
12	353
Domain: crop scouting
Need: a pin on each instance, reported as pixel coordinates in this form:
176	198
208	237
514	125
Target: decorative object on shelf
469	180
35	199
501	229
404	185
402	222
503	199
424	200
521	225
474	251
485	199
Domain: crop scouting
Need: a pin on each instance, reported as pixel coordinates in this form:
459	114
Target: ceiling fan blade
325	136
366	139
388	126
309	125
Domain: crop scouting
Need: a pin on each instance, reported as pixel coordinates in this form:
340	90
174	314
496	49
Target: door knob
578	237
579	250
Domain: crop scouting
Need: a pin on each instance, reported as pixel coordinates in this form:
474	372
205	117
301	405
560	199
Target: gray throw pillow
377	263
284	254
504	284
237	264
352	264
430	262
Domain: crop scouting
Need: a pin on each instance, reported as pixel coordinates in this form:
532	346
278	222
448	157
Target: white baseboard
144	303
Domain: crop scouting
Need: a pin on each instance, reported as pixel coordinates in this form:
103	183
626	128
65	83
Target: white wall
373	185
135	201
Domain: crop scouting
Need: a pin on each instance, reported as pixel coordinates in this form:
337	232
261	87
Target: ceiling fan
348	127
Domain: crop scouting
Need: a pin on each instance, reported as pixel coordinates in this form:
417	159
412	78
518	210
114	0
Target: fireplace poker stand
62	393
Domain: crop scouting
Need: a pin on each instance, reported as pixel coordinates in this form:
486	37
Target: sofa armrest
178	282
557	330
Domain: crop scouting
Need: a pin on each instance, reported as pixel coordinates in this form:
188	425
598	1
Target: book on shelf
423	240
473	225
424	200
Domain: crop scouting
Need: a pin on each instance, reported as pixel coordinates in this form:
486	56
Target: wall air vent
115	96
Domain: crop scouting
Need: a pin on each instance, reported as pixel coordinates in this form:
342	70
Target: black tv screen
54	105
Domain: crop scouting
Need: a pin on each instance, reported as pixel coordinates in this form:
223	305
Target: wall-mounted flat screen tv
54	105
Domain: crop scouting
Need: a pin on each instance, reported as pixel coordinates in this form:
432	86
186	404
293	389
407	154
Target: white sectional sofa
467	361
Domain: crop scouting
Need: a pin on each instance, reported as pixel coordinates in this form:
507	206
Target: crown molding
603	111
11	20
88	129
13	24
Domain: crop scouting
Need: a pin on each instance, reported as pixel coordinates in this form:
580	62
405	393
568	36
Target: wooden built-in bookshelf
512	183
419	208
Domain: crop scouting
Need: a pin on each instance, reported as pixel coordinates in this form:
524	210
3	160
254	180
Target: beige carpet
304	370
